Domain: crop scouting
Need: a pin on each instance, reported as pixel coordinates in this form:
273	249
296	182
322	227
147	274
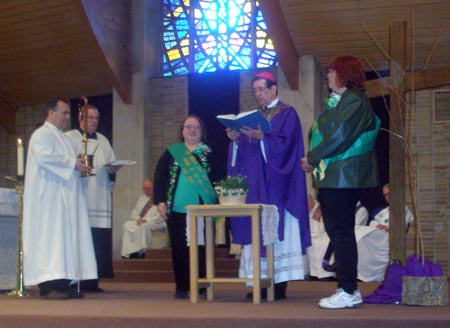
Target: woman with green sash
343	162
183	177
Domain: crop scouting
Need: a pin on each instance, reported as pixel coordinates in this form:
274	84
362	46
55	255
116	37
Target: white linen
137	237
57	239
269	226
99	187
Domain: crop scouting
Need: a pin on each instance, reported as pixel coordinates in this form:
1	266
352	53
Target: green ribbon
333	100
362	145
195	173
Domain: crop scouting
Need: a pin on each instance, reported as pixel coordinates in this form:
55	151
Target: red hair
349	70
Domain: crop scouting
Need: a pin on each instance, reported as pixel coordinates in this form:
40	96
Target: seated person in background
381	219
145	218
373	243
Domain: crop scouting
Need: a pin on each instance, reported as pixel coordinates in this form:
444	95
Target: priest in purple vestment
271	162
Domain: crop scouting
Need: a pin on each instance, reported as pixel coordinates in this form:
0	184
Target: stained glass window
212	35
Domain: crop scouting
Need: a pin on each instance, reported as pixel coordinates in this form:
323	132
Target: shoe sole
354	306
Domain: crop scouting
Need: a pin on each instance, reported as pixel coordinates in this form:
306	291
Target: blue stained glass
219	35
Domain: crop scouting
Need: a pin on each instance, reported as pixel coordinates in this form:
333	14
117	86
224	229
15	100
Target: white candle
19	157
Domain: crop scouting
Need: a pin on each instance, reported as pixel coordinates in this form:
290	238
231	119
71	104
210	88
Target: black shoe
56	295
330	267
94	290
181	295
249	296
88	289
75	294
134	255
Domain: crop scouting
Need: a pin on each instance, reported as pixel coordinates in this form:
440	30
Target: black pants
102	240
176	224
338	211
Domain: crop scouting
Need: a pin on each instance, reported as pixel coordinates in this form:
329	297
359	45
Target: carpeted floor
152	305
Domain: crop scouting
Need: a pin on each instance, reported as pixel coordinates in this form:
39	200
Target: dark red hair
349	70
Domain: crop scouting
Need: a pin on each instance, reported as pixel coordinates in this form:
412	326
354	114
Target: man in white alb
57	241
99	189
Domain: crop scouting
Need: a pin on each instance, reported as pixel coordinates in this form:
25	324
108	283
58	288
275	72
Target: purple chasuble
280	181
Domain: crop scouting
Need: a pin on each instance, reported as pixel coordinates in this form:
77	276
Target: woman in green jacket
343	162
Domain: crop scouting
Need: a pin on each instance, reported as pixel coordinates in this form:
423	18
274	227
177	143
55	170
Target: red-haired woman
343	162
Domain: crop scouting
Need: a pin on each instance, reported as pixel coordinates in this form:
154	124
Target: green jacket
340	127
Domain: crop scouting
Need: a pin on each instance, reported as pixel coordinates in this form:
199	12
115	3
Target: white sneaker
342	300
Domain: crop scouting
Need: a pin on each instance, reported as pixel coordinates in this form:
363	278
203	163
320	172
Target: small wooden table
208	212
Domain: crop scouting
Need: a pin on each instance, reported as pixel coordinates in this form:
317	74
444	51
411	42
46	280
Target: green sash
362	145
194	172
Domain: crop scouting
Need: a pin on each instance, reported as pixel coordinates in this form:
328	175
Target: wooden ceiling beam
110	25
429	79
281	37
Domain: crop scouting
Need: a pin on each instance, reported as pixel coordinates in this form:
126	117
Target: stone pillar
307	101
131	133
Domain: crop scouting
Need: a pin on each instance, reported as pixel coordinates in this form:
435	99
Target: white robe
137	237
373	246
289	262
99	187
57	241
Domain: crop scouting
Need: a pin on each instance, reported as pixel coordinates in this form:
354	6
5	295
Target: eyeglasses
260	89
192	127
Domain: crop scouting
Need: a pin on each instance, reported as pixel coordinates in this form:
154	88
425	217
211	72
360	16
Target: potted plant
232	190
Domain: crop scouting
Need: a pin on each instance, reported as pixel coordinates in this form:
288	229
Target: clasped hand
306	166
81	166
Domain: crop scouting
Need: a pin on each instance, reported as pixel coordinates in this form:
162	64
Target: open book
251	119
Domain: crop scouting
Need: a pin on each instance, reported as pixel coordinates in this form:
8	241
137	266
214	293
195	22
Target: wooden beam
397	239
109	25
8	117
284	45
422	80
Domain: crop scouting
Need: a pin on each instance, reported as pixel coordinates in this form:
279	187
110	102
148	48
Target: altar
9	213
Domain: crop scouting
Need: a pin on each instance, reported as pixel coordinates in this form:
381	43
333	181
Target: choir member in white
99	193
145	219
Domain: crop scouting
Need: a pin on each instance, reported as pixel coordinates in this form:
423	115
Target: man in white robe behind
99	189
145	218
57	240
373	247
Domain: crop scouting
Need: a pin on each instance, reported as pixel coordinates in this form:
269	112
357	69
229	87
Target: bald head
147	187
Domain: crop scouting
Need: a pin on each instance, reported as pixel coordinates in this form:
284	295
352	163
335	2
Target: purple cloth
414	267
391	289
280	181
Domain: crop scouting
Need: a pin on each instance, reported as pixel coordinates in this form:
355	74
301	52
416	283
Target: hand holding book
250	119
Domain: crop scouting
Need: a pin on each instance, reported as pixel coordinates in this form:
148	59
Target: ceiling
82	47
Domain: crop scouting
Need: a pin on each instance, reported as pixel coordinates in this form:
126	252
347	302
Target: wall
430	144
